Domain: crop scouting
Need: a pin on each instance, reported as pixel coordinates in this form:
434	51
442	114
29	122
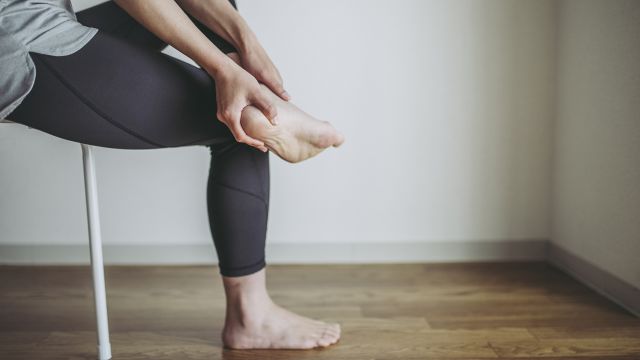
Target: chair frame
95	245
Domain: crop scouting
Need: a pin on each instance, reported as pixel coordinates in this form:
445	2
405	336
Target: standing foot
253	321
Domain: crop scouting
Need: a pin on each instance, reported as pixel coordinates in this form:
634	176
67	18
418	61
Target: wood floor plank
592	332
569	347
464	311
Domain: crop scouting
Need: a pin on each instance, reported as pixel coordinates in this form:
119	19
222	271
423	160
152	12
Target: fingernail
286	94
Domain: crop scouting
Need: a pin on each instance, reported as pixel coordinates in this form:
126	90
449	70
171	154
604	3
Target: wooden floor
436	311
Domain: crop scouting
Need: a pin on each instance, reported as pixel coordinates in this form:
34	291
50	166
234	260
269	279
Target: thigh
114	93
110	18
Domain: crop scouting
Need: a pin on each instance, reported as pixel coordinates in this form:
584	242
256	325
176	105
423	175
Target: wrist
242	38
247	43
238	33
219	66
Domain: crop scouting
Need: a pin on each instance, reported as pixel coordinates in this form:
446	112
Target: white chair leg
97	265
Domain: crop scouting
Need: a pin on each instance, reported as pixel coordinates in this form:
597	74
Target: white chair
95	242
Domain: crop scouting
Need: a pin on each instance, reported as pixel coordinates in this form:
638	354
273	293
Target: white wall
447	107
597	156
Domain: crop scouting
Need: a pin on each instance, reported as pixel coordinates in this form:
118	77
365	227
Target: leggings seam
240	190
94	108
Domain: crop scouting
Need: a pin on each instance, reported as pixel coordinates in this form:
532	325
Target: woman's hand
236	89
254	60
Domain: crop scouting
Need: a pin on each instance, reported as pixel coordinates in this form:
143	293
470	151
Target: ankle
248	312
247	298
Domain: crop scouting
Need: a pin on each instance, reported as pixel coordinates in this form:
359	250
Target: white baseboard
282	253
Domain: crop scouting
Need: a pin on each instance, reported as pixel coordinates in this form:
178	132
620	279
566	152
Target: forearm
223	19
166	20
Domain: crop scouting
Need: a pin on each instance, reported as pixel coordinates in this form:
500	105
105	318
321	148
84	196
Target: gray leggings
119	91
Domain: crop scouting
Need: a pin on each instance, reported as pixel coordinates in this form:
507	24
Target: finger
278	89
242	137
267	107
232	119
281	92
285	95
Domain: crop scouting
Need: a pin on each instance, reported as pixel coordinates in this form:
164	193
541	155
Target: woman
101	80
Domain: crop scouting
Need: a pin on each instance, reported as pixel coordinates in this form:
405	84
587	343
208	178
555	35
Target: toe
332	330
325	341
309	343
335	338
332	333
326	338
339	140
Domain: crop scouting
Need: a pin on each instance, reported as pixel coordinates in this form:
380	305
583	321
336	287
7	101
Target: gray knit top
41	26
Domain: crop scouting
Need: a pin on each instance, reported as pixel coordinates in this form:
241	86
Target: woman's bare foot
297	136
253	321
